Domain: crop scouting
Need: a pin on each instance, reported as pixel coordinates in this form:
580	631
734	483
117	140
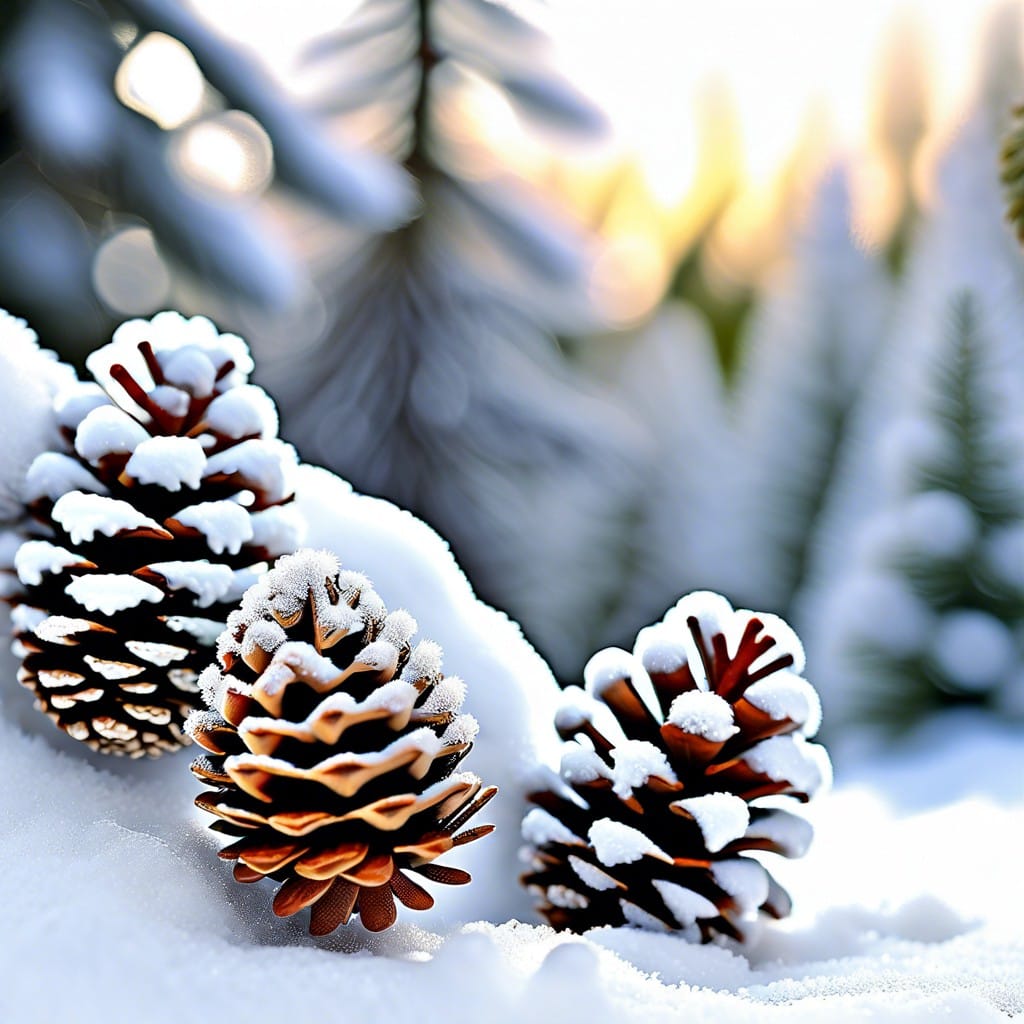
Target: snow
266	465
721	817
29	377
52	474
606	668
792	832
973	649
208	581
580	764
635	762
242	412
660	650
889	925
712	612
509	689
615	843
168	462
793	759
108	431
111	592
190	369
173	401
539	827
82	516
908	906
225	525
703	714
785	695
184	347
744	879
36	557
685	904
73	402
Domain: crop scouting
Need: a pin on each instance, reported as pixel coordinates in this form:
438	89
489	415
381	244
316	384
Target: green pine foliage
934	613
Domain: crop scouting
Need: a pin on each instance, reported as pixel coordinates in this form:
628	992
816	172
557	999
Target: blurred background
625	297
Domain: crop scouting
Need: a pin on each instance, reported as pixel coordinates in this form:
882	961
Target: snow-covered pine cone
169	501
333	744
671	781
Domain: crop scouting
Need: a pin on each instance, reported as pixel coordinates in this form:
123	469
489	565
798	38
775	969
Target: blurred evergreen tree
75	156
438	383
808	349
933	613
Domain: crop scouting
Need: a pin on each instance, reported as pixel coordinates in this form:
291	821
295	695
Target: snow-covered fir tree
438	383
914	589
934	612
686	518
809	348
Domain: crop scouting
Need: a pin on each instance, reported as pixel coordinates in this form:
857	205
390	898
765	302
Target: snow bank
509	689
29	377
111	888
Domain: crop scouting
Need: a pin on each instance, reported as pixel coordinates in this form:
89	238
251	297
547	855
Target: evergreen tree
934	611
438	384
686	516
809	347
78	161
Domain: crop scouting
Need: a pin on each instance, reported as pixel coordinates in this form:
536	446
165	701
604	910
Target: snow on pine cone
333	744
680	760
168	502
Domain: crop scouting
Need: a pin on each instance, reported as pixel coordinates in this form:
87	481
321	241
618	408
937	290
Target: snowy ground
115	907
908	908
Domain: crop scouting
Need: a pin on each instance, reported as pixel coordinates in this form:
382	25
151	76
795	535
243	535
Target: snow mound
890	927
509	689
29	378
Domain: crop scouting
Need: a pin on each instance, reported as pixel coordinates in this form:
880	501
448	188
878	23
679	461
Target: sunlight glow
159	77
128	273
229	153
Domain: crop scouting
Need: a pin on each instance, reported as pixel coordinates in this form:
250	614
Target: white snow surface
615	843
207	580
243	411
29	377
907	935
53	474
908	905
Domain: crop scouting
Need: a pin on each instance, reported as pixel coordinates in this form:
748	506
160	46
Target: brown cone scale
332	750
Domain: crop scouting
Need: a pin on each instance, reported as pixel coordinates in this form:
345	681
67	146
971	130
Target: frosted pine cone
170	499
333	746
669	783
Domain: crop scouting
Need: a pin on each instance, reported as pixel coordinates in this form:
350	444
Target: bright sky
783	75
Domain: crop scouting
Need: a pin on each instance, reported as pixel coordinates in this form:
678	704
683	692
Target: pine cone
336	775
167	504
664	791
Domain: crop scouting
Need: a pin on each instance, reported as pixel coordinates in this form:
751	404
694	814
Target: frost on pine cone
676	760
170	499
334	772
